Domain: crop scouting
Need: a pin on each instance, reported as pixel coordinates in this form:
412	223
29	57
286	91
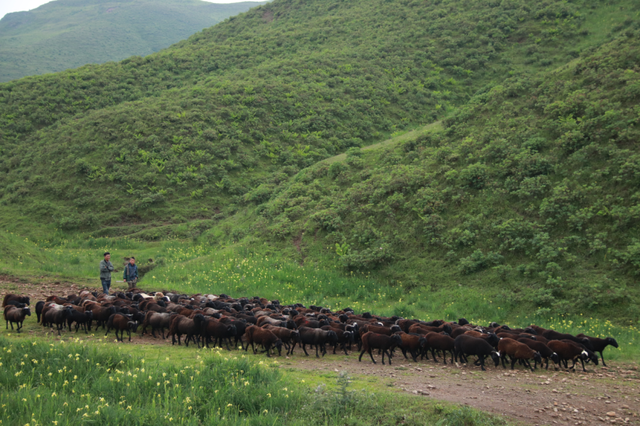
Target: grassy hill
65	34
516	177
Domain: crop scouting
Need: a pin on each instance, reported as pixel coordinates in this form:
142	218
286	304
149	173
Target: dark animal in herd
222	320
121	323
386	344
465	345
15	315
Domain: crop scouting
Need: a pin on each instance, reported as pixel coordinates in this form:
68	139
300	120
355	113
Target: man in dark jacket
106	267
130	275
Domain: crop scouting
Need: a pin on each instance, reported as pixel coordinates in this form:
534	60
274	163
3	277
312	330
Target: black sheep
599	345
467	345
82	319
39	308
317	337
13	314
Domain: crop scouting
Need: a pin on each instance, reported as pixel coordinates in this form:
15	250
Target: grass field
79	382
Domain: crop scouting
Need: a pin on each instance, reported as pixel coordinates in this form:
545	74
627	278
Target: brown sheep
517	351
16	298
182	325
441	342
568	352
289	337
545	351
413	343
261	336
121	323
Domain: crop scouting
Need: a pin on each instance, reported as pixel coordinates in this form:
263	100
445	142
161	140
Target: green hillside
517	176
65	34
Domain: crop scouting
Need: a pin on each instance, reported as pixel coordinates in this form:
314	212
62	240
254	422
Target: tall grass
74	384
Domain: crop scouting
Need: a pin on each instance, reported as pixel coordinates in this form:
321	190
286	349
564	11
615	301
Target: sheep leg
383	352
344	348
602	356
304	349
371	355
528	364
583	369
433	354
404	352
513	362
481	359
317	352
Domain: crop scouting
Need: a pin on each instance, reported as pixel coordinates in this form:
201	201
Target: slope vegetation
186	133
531	191
66	34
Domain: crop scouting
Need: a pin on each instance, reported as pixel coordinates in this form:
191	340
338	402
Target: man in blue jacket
130	275
106	267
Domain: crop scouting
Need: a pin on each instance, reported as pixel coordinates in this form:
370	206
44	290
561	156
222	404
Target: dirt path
603	395
600	396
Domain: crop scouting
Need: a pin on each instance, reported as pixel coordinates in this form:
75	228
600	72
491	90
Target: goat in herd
223	320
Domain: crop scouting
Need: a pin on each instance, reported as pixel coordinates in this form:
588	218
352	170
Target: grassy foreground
74	382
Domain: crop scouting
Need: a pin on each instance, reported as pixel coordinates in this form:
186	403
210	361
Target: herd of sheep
223	320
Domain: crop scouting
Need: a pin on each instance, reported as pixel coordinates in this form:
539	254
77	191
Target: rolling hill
65	34
519	177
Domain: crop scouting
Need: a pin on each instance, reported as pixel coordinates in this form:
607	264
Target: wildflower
265	411
229	405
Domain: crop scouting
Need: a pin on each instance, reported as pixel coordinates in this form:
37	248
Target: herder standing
130	275
106	267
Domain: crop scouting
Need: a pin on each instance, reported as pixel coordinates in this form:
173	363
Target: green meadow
191	268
